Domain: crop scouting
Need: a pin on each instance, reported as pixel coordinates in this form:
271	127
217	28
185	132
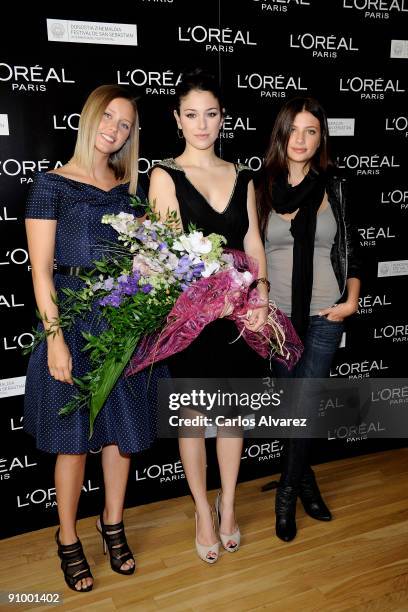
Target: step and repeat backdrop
350	54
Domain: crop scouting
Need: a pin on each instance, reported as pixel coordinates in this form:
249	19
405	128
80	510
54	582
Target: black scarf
307	197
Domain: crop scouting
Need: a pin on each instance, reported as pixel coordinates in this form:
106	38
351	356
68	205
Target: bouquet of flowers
156	289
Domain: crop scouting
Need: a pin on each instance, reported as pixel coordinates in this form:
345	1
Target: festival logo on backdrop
392	268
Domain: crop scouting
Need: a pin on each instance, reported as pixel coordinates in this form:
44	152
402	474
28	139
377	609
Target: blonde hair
124	162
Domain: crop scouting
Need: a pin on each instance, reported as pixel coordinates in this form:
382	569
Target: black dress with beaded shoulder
212	354
129	416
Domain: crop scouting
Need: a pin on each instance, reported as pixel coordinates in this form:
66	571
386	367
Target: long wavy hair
124	162
276	159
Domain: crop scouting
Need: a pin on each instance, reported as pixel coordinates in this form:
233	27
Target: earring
180	133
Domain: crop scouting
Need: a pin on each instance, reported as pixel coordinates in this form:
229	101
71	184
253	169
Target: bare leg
115	466
194	459
229	451
69	478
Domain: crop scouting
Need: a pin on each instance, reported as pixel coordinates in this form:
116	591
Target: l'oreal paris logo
24	168
358	369
231	125
322	45
271	85
264	451
65	122
280	6
370	88
367	164
396	333
397	124
377	9
370	235
167	472
397	196
154	82
10	301
369	303
353	433
216	39
32	78
8	465
393	395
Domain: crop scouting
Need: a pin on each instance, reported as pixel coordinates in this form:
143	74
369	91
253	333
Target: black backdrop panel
351	57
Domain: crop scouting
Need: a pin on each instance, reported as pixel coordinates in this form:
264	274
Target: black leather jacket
344	255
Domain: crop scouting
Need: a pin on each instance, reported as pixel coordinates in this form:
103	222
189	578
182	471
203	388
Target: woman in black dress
216	196
63	222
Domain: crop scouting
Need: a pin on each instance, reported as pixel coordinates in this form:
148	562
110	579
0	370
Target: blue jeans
321	343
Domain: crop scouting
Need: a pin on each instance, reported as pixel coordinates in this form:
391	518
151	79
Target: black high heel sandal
73	564
114	538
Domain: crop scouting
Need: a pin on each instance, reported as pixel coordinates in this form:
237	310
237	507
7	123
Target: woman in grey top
312	269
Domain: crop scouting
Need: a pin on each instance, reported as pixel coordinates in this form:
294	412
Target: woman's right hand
59	360
228	308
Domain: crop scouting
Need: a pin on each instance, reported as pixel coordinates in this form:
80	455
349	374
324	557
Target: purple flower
111	300
108	284
146	288
198	268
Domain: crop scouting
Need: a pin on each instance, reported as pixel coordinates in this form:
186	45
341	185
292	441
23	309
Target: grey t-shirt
279	257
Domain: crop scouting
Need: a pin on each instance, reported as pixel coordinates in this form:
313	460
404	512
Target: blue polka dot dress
129	416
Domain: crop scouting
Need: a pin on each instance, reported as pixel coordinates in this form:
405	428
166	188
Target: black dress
212	354
129	416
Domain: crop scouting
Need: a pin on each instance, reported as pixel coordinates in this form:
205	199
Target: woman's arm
340	311
162	194
41	247
253	246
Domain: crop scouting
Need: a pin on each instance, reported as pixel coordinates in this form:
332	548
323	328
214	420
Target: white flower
199	244
228	258
146	265
210	268
247	278
194	243
123	223
172	262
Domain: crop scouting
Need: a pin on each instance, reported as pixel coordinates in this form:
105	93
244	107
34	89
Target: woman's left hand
338	312
256	319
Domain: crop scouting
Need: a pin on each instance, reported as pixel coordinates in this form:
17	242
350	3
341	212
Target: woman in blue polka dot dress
63	221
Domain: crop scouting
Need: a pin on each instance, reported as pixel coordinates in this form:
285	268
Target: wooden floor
357	562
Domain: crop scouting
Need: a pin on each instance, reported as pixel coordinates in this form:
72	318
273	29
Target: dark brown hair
276	161
198	80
